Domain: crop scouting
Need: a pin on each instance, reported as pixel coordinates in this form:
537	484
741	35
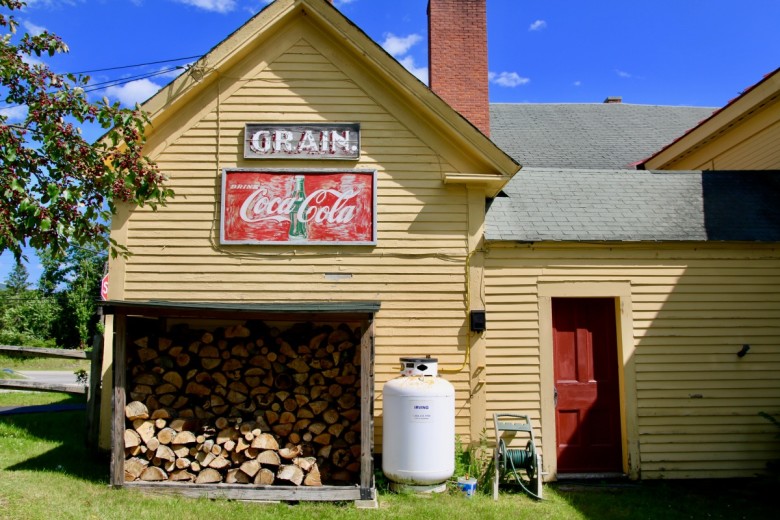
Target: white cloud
420	72
507	79
14	114
218	6
31	60
577	83
133	92
400	45
623	74
339	3
538	25
31	28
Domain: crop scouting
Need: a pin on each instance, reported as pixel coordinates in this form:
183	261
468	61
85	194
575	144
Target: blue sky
682	52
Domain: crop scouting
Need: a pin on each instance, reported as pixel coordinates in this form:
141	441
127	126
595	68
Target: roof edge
205	71
753	97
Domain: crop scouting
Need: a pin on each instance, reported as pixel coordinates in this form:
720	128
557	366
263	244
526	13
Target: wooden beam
367	490
93	395
118	428
253	493
19	384
46	352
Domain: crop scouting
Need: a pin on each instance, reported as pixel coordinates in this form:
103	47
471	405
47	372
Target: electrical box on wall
477	321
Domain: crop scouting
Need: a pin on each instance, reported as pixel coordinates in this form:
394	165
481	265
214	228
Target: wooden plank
249	493
45	352
367	490
120	377
20	384
245	310
93	394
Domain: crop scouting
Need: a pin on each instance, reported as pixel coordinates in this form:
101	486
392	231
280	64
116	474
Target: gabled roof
603	135
738	109
496	167
634	206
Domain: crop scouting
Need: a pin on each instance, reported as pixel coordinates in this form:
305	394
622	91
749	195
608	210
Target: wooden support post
118	422
367	490
93	394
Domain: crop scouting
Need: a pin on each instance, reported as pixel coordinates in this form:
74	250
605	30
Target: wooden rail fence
20	384
92	390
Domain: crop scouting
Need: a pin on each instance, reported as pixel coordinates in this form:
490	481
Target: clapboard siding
748	144
417	270
694	306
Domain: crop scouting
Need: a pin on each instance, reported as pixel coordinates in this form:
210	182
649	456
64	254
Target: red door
587	413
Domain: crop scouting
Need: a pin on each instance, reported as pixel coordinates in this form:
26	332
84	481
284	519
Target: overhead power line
137	65
114	82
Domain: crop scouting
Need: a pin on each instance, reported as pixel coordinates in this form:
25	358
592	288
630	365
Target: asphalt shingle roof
601	135
549	204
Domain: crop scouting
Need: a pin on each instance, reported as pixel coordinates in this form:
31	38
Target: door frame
620	291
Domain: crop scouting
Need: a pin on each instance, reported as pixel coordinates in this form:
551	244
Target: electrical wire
114	83
117	82
124	81
137	65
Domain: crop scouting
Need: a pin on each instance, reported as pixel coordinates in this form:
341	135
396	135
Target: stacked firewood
245	404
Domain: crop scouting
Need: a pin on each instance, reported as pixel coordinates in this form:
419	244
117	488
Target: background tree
17	282
56	188
26	316
81	271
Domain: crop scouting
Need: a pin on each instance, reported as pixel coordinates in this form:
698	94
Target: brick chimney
457	56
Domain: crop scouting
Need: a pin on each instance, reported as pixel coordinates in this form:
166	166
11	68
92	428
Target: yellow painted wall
752	143
690	405
418	268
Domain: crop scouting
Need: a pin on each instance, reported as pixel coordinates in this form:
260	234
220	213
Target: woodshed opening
244	401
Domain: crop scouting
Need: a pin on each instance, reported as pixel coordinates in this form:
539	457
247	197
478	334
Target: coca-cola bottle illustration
298	230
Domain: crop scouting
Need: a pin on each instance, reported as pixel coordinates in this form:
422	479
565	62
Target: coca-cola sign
298	207
302	141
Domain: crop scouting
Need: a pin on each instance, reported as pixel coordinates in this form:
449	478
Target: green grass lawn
22	363
46	471
36	398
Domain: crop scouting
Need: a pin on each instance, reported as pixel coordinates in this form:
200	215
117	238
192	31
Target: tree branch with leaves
58	189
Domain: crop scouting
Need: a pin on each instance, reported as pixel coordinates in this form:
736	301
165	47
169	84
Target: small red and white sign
307	207
104	288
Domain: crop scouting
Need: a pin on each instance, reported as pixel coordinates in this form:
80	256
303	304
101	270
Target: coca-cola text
259	206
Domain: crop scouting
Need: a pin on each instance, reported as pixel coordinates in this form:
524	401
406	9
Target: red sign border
299	171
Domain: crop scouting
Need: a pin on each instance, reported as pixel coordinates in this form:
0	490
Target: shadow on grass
672	499
71	456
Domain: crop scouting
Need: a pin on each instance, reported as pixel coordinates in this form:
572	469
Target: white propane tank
418	440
